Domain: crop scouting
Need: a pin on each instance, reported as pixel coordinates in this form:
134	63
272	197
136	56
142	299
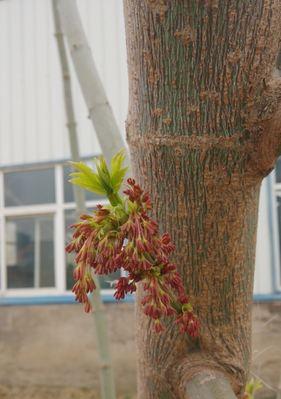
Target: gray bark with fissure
103	345
91	86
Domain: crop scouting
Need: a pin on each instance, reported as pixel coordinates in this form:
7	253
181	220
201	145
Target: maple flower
124	286
123	235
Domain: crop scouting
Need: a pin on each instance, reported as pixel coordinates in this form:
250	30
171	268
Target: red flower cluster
125	236
186	320
97	245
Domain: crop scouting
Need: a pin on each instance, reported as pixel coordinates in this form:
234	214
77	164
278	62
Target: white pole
37	244
106	371
91	86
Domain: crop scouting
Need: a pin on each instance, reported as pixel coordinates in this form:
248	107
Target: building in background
50	351
36	200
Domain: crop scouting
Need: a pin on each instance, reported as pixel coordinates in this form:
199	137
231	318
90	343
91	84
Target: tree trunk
203	130
103	345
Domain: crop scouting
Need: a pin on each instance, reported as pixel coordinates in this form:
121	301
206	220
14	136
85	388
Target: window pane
278	171
29	187
68	188
105	281
30	251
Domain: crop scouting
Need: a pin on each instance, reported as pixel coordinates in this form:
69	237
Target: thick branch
265	128
208	385
79	195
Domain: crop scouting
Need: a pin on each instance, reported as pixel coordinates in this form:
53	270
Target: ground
50	352
41	392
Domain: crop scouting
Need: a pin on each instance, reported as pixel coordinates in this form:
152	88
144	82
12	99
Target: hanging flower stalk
122	235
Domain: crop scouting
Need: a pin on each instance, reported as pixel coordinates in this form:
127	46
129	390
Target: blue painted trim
107	298
55	300
267	297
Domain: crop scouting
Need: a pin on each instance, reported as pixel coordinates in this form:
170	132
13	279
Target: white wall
32	117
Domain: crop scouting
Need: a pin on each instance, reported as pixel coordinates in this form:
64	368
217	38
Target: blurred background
47	344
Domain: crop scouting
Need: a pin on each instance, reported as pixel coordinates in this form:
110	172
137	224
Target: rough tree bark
101	328
204	128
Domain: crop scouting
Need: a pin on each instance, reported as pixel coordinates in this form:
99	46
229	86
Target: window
36	208
30	251
29	187
278	171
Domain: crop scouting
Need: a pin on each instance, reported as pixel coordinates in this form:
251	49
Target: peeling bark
203	129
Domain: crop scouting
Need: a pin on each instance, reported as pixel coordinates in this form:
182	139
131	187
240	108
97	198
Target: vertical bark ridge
210	210
196	67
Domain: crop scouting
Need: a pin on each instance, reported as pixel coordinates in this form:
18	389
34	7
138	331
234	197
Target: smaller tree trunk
94	94
106	372
209	385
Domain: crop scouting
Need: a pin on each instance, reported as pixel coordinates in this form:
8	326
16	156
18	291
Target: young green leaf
252	386
103	181
117	170
104	175
86	178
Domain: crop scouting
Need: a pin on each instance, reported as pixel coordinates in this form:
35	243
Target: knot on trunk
206	372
